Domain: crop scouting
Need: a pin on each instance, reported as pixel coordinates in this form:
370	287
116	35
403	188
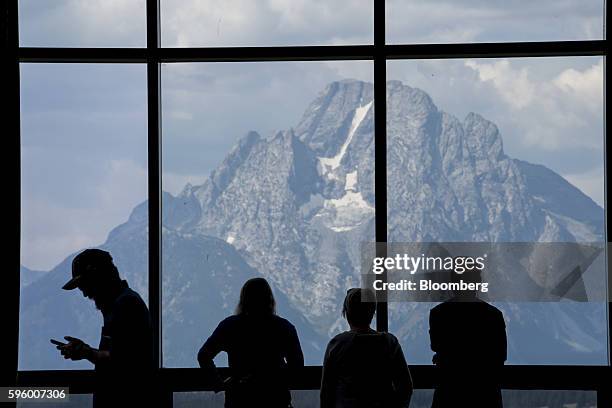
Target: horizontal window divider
497	50
221	54
281	53
312	53
82	55
519	377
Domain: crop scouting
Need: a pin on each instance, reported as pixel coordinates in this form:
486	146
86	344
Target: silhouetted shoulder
495	311
390	338
239	321
130	298
230	321
128	308
345	338
340	338
391	341
492	311
282	322
452	305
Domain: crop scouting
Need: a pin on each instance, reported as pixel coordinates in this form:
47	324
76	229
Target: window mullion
154	173
380	149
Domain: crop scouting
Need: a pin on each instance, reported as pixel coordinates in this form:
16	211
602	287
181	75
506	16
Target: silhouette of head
256	298
359	307
469	276
95	275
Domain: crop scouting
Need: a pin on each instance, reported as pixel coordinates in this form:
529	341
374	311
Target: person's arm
96	356
502	342
295	357
434	337
400	376
210	349
131	344
328	381
77	349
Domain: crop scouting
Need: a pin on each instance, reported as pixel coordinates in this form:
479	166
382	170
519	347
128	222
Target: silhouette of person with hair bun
363	367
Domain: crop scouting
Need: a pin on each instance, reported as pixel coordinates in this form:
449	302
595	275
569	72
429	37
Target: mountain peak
332	113
483	137
223	174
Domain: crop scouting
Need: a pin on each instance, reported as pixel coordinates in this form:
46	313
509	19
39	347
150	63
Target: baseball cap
85	263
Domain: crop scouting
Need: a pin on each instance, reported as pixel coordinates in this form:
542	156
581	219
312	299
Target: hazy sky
84	126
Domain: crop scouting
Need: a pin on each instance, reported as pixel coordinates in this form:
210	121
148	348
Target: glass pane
444	21
91	23
420	399
75	401
267	171
198	399
500	150
549	398
84	179
523	399
299	399
232	23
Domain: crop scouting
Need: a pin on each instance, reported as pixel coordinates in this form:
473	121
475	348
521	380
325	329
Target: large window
221	140
84	179
268	170
500	137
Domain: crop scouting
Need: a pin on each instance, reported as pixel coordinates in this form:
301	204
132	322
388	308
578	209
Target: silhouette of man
124	359
468	337
364	368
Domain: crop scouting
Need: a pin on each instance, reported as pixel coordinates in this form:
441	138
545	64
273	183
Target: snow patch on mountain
351	181
330	164
347	212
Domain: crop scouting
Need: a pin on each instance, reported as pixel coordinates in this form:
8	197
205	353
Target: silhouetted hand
76	349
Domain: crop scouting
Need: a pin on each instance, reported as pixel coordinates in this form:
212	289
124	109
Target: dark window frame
187	379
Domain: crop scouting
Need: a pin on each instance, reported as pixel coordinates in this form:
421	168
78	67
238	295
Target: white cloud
305	22
550	109
512	85
423	21
269	22
586	86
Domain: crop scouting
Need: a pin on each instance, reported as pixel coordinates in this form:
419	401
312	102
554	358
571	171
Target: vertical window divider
604	395
9	37
154	180
380	150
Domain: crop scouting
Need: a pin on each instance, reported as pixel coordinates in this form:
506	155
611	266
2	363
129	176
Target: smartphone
57	342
